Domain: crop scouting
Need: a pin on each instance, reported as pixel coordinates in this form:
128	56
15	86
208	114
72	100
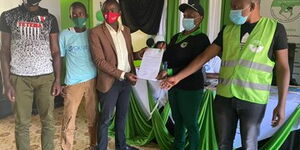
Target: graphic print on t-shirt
30	40
31	30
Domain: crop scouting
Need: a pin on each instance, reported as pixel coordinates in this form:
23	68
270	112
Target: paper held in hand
151	63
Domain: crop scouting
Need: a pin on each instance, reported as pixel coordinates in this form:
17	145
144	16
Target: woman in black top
185	97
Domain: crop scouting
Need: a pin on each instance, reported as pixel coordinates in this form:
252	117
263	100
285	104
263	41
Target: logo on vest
184	44
256	46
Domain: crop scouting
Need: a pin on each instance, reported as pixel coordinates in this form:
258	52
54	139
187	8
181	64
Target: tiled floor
7	137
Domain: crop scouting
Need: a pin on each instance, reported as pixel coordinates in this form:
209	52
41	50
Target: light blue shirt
75	48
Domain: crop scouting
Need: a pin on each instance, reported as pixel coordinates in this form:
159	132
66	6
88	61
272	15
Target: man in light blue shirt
79	79
74	47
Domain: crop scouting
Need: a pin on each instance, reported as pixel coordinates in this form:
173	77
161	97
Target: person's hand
162	45
9	92
62	91
278	116
56	88
161	75
131	78
169	82
141	52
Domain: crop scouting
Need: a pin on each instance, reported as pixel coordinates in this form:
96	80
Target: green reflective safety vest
246	72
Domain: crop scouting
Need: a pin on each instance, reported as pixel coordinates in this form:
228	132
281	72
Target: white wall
96	7
4	5
54	8
52	5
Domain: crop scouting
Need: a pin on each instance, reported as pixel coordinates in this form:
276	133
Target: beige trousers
74	94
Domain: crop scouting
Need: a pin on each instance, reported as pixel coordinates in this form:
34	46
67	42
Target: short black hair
111	2
78	5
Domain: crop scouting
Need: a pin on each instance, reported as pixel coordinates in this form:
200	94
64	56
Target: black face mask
31	2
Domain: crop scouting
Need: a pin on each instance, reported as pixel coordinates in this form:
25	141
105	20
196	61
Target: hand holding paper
150	64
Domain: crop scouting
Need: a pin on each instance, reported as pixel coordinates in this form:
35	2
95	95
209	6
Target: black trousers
227	112
117	98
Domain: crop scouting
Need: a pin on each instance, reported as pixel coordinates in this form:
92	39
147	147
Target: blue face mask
236	17
188	24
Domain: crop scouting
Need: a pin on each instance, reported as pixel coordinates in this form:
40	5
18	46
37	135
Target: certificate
150	65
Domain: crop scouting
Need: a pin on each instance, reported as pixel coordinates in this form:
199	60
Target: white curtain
214	19
181	15
162	28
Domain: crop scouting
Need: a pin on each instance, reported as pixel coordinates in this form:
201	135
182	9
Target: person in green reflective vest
251	46
186	96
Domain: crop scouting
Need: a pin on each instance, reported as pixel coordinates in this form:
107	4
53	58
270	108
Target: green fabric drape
91	14
140	131
172	22
208	139
205	5
226	7
280	136
162	136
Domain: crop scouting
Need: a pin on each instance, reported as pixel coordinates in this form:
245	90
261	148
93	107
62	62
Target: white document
151	62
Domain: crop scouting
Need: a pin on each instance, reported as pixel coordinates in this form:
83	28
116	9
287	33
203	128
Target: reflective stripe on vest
248	64
246	71
256	86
